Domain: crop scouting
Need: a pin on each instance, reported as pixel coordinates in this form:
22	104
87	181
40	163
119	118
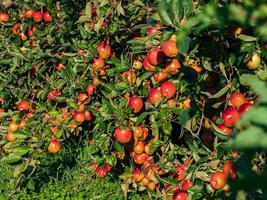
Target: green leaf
252	138
220	93
11	158
118	146
219	133
184	45
164	11
247	38
177	9
246	78
167	128
120	9
262	74
141	118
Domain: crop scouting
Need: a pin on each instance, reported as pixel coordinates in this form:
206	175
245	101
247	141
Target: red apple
155	56
218	180
47	16
237	99
138	175
245	107
154	96
225	129
123	135
173	66
136	103
179	195
90	89
148	67
168	89
230	116
180	172
186	184
101	172
37	16
54	146
78	116
169	48
153	29
23	105
160	76
104	50
229	169
4	17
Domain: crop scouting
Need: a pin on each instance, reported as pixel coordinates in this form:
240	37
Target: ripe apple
101	172
169	48
254	62
140	158
108	167
4	17
16	28
230	169
78	116
148	67
94	10
138	132
47	16
22	123
154	96
123	135
218	180
28	13
136	103
179	195
10	137
98	63
230	116
23	105
153	29
139	147
245	107
186	184
237	99
129	77
138	175
104	50
137	64
37	16
90	89
87	115
155	56
145	181
54	146
82	97
31	30
173	66
226	130
148	163
180	172
168	89
148	149
12	126
52	95
151	185
160	76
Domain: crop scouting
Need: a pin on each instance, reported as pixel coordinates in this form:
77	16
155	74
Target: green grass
96	189
66	176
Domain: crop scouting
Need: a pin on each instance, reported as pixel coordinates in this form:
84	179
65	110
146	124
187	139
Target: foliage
53	68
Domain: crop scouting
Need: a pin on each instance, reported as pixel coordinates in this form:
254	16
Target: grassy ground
93	190
66	176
